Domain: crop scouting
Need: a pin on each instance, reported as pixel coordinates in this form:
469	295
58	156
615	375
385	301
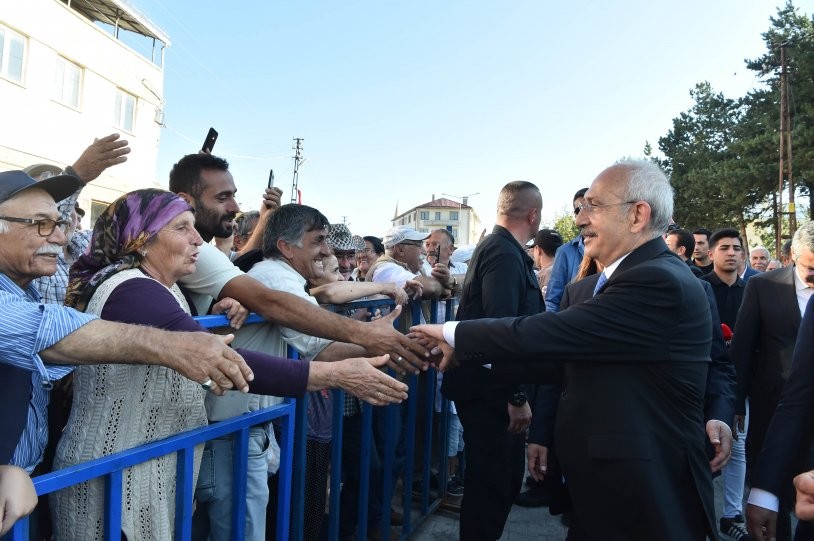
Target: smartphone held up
209	142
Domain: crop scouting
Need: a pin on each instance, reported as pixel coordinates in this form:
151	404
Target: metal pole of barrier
409	445
392	433
298	469
443	435
337	434
113	505
240	466
364	470
284	476
184	474
19	532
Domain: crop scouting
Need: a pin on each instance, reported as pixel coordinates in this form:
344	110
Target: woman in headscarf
141	245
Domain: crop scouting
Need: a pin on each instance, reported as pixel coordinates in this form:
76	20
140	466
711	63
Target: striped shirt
27	327
52	288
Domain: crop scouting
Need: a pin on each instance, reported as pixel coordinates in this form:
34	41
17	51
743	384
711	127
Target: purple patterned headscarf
121	231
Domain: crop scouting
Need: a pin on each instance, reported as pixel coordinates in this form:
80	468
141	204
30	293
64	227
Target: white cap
397	235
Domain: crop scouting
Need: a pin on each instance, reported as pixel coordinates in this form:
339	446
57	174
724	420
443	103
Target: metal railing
416	434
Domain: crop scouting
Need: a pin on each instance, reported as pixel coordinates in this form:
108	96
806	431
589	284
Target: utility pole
785	155
297	161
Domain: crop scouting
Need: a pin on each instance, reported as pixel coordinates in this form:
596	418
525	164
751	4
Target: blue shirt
27	327
566	265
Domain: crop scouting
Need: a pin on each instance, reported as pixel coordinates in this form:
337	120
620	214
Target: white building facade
70	72
456	217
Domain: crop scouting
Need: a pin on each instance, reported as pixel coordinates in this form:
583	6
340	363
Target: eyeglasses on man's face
45	226
590	208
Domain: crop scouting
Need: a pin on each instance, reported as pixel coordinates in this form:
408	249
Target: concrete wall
38	129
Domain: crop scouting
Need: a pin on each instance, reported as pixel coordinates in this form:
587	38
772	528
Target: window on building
438	215
12	54
425	215
67	82
124	114
453	215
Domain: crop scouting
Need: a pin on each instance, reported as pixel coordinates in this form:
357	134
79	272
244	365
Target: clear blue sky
397	101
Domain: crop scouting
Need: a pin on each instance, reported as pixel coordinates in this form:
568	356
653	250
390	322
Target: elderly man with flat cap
39	342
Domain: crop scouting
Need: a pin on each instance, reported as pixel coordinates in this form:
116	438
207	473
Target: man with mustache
39	341
205	182
759	258
630	421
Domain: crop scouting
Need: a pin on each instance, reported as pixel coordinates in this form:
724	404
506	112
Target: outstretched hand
208	359
405	355
432	336
362	378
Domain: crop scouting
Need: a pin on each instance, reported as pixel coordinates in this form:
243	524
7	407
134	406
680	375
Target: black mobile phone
209	142
271	178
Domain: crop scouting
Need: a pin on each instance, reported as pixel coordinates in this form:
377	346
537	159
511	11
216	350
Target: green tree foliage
565	225
722	154
796	31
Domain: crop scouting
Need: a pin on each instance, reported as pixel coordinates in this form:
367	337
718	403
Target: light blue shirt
28	327
565	267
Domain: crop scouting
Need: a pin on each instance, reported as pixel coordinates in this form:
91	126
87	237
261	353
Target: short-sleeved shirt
279	275
212	272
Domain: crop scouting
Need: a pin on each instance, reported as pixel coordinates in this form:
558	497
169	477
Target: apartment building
72	70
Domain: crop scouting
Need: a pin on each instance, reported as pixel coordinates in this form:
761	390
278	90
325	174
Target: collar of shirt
715	280
30	292
283	265
799	285
613	266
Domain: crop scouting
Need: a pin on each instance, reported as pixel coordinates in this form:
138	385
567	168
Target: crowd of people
626	367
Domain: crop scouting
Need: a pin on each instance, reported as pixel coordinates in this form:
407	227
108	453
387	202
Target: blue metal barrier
111	467
292	417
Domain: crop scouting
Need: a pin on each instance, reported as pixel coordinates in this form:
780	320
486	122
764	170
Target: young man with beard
205	182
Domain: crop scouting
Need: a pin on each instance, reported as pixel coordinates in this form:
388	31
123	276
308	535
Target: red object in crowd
726	331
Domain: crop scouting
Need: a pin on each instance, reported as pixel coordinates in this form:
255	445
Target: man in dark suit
762	348
630	423
500	282
787	438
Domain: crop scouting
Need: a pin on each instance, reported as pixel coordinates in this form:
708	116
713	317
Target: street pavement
524	524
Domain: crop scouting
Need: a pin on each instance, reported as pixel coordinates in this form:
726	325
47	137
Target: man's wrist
764	498
70	170
518	399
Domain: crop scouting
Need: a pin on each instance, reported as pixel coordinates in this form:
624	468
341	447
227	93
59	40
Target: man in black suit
762	348
787	438
630	423
500	282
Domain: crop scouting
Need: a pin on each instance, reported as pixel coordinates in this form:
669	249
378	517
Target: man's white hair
647	182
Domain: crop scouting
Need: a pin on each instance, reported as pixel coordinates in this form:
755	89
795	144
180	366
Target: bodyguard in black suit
630	423
768	323
785	448
500	282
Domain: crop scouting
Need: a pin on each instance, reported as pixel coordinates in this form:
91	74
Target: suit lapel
645	252
790	285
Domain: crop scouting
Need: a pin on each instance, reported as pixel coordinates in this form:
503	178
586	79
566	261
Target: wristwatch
518	399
